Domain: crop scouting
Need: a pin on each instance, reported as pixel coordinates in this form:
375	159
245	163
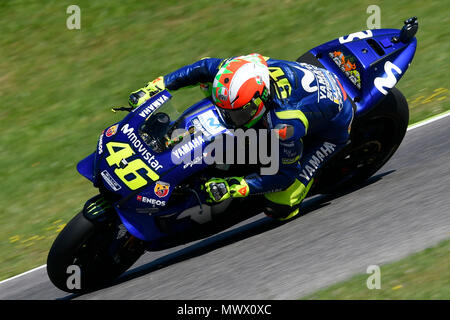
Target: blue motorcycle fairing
86	167
140	209
379	63
148	227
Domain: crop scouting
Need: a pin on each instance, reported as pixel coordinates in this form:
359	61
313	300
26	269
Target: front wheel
87	255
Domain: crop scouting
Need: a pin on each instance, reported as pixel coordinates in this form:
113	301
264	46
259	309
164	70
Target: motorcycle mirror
408	31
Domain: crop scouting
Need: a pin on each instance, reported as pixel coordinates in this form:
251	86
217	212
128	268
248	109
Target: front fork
100	211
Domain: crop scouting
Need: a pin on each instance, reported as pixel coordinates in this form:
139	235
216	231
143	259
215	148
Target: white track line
411	127
429	120
22	274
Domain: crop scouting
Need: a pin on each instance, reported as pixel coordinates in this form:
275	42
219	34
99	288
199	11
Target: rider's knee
279	211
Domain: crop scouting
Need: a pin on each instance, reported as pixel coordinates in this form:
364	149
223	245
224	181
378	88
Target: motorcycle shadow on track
231	236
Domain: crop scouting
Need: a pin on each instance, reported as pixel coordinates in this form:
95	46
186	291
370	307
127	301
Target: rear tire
375	137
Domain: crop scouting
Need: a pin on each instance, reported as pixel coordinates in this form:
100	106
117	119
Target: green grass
57	85
422	276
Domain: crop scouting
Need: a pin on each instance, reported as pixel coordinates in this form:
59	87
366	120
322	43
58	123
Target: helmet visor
236	118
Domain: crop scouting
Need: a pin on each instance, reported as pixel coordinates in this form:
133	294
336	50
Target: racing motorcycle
147	202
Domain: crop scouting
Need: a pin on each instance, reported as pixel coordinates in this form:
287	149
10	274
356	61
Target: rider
295	99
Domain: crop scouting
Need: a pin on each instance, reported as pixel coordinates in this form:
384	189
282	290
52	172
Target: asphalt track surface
403	209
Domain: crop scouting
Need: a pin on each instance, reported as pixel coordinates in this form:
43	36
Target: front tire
95	250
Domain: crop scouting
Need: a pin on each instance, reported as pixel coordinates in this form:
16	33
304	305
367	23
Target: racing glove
218	189
138	97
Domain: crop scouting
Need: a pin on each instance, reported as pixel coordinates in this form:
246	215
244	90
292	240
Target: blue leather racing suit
305	101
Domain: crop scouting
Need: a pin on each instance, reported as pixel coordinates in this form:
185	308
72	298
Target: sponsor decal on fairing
162	189
152	201
140	147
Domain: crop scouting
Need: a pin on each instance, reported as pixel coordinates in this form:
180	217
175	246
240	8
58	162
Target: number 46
128	171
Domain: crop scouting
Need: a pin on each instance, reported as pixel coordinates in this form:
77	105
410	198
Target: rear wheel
374	139
100	252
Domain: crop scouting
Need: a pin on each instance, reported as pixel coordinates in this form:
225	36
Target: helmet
240	89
